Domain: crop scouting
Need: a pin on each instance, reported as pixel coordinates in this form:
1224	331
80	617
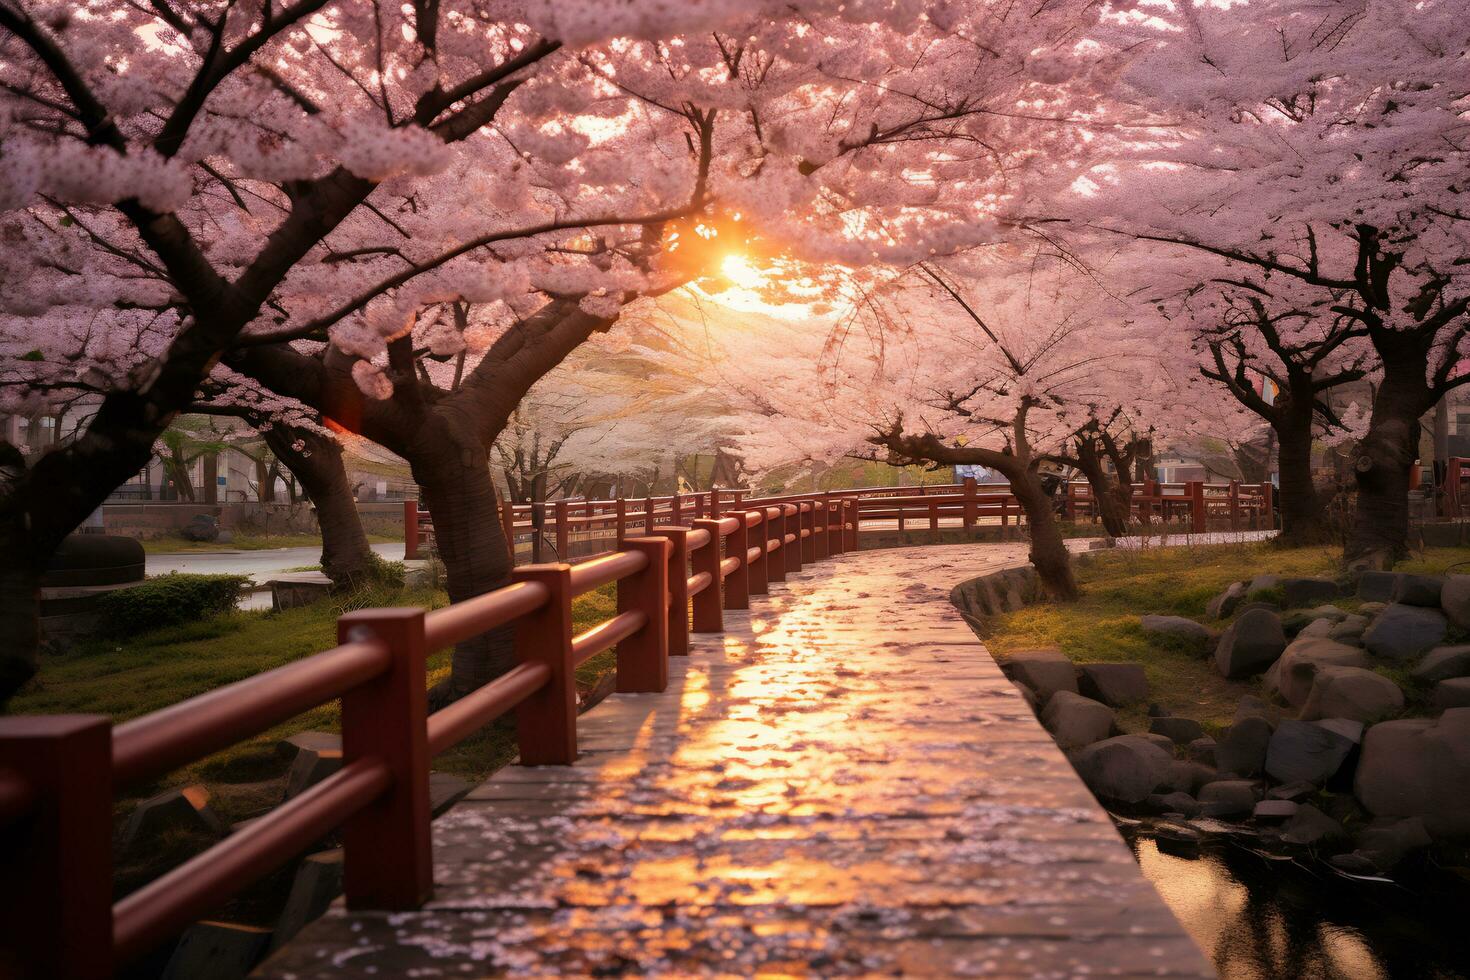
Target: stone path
843	783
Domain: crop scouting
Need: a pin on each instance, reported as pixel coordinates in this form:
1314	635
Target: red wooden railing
561	523
59	773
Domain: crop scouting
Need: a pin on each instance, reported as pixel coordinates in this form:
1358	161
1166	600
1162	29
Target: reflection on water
1259	919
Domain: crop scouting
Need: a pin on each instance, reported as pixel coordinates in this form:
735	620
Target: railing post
643	658
676	508
678	576
1268	505
739	501
622	520
1234	505
707	614
793	527
853	514
647	514
823	527
386	719
969	518
1197	505
563	531
546	722
758	572
737	584
508	526
56	904
775	531
410	530
807	535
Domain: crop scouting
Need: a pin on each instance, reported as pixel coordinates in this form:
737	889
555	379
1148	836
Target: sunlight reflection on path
841	783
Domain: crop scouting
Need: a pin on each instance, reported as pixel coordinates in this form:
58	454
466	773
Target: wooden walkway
843	783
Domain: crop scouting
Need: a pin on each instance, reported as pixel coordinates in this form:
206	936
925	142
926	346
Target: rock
1181	730
1352	692
1419	767
1224	604
1242	750
1075	721
1305	591
1251	706
1452	693
1227	797
1419	590
1177	631
1388	842
1262	583
1378	586
1353	864
217	950
1044	671
1114	684
1293	674
1329	611
1274	810
1402	632
1202	749
1305	751
1296	792
1176	802
1317	627
287	747
310	767
176	812
1442	663
1246	607
1454	599
1188	777
1250	645
1349	630
318	880
1310	826
1371	609
1125	768
1162	741
1157	711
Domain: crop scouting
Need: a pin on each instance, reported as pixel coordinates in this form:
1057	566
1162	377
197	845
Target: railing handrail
379	798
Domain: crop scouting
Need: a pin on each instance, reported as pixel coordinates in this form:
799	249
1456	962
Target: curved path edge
842	783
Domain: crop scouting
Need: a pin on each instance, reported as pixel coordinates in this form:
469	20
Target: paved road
842	783
261	565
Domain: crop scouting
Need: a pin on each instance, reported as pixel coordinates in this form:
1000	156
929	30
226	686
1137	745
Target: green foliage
1274	596
168	600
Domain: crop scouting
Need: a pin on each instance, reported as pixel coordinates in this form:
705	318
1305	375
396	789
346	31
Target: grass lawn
171	543
160	668
1119	586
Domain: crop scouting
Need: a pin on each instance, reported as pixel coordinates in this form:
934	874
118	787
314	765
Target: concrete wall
153	520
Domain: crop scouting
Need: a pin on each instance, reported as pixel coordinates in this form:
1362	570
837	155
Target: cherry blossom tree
1314	148
1010	361
402	217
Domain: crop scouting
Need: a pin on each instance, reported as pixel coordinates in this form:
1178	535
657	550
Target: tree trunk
179	473
1303	515
265	483
20	609
347	558
454	474
1380	531
1048	550
1110	508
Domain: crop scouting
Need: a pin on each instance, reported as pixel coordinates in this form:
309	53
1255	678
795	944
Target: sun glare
739	270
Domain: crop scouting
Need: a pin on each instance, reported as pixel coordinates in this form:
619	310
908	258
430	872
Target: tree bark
347	558
1303	515
1380	531
453	472
1048	549
20	590
1110	506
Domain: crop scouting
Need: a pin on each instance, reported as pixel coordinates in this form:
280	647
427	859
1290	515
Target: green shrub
169	600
